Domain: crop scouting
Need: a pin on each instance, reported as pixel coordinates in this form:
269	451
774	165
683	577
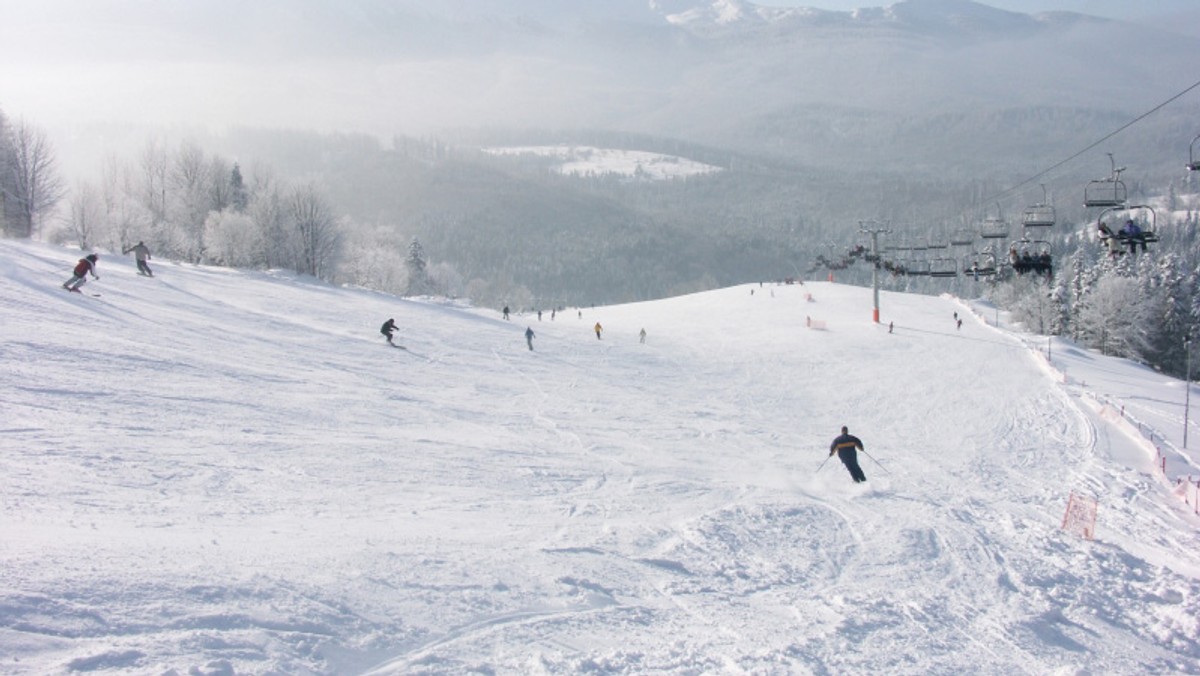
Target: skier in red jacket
82	268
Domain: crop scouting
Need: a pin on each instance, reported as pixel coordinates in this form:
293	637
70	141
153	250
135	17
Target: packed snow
593	161
215	471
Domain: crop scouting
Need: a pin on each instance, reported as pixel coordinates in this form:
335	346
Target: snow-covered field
592	161
216	471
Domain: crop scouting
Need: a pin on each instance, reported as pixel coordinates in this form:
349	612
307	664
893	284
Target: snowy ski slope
218	471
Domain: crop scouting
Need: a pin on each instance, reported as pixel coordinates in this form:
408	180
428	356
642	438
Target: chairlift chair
943	267
1032	256
994	227
1148	224
962	237
916	267
979	264
1193	160
1106	192
1040	215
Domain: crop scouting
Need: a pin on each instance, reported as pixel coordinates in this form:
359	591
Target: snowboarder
82	268
845	446
388	328
529	336
598	329
141	254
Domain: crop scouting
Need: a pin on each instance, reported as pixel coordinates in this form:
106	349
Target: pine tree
239	197
1175	302
419	283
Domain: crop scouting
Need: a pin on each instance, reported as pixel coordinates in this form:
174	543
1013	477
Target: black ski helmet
93	257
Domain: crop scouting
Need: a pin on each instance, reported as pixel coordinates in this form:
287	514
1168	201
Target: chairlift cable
1120	129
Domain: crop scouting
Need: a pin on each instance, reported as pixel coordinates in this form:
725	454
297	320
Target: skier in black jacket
847	446
388	328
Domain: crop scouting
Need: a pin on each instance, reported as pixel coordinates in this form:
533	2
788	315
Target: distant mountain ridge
923	17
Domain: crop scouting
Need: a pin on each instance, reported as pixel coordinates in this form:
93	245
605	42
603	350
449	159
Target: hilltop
217	471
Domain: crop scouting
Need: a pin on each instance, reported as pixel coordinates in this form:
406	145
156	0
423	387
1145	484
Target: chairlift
1027	256
962	237
979	264
1039	215
1193	160
1106	192
1118	235
916	267
994	227
943	266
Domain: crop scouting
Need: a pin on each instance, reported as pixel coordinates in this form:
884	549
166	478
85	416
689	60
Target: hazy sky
1121	9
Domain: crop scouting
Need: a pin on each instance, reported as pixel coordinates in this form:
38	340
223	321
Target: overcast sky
1118	9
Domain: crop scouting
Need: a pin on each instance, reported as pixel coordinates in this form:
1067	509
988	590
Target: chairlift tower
874	229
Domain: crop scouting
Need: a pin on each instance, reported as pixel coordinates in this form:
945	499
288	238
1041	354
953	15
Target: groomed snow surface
215	471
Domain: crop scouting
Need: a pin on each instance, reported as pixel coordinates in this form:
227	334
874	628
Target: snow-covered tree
239	198
1117	318
370	258
314	229
32	186
85	220
232	239
419	283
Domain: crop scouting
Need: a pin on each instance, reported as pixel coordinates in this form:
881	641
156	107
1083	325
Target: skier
141	253
598	329
529	337
1132	234
505	311
642	336
845	446
1109	239
388	328
82	268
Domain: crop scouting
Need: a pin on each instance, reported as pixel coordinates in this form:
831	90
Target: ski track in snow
213	471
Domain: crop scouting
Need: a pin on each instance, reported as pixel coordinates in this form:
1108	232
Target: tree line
511	231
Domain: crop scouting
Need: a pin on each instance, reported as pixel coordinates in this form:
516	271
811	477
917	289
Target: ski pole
823	463
876	461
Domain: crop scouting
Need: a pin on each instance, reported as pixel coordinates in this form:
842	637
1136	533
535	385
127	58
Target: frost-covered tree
1116	317
1173	292
232	239
239	197
370	258
33	185
446	279
269	212
314	229
85	220
419	282
126	220
1034	305
190	184
152	190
